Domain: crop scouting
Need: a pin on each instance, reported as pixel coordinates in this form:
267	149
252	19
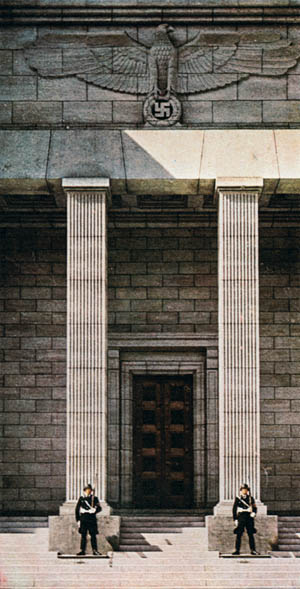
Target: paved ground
181	563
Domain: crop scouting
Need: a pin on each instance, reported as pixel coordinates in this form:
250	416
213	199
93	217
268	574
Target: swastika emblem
161	111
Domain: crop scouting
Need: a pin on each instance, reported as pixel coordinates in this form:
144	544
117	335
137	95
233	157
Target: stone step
129	541
23	524
164	517
138	548
106	572
162	523
155	584
191	548
289	533
149	575
284	553
23	518
290	530
188	532
159	524
289	547
210	573
162	512
285	539
148	583
143	582
137	533
155	530
16	530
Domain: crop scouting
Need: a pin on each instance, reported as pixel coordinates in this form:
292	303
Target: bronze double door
163	441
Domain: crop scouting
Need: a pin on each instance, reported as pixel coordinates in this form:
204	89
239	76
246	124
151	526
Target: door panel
163	441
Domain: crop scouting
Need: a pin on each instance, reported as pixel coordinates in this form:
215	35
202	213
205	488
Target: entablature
155	162
77	12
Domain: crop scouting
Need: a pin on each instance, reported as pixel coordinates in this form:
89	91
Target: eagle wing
211	61
115	62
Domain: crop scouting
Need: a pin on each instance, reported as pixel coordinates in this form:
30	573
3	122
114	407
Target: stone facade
123	130
162	261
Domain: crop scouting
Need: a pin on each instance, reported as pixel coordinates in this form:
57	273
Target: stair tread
23	518
155	523
162	518
160	526
138	534
23	523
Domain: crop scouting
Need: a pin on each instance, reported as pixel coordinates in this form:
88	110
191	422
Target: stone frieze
163	71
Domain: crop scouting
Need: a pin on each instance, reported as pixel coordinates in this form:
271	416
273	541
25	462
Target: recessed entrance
163	440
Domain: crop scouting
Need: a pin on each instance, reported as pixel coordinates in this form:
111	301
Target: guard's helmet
89	486
245	487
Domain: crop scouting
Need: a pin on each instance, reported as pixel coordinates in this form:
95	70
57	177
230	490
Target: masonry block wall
280	365
28	100
32	352
163	279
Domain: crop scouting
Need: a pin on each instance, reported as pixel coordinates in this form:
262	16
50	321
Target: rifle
251	502
94	491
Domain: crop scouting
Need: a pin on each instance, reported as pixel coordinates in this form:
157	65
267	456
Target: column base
65	538
221	537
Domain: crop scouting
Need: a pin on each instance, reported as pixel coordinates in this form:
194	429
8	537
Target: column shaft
238	342
86	342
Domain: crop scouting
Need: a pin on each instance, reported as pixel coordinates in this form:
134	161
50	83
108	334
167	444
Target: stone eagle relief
164	70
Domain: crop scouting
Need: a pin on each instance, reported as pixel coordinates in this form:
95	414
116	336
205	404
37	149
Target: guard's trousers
84	529
245	522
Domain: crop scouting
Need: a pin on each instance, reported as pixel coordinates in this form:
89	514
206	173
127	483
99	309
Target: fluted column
86	335
239	407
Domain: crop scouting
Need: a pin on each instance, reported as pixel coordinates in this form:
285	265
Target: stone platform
65	538
25	562
221	536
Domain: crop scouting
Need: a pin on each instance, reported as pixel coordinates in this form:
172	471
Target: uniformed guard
86	509
244	511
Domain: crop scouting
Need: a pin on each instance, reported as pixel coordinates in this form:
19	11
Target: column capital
86	184
240	184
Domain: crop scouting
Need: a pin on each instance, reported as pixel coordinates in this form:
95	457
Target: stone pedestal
239	398
221	537
86	354
65	538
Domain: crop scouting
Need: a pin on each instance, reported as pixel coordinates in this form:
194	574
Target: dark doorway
163	441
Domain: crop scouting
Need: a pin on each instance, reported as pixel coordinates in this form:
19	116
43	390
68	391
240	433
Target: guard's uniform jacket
88	521
242	509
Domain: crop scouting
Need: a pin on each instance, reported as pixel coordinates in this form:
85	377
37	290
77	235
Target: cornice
46	12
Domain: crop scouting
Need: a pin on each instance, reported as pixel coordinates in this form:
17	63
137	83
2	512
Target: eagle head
165	28
161	35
